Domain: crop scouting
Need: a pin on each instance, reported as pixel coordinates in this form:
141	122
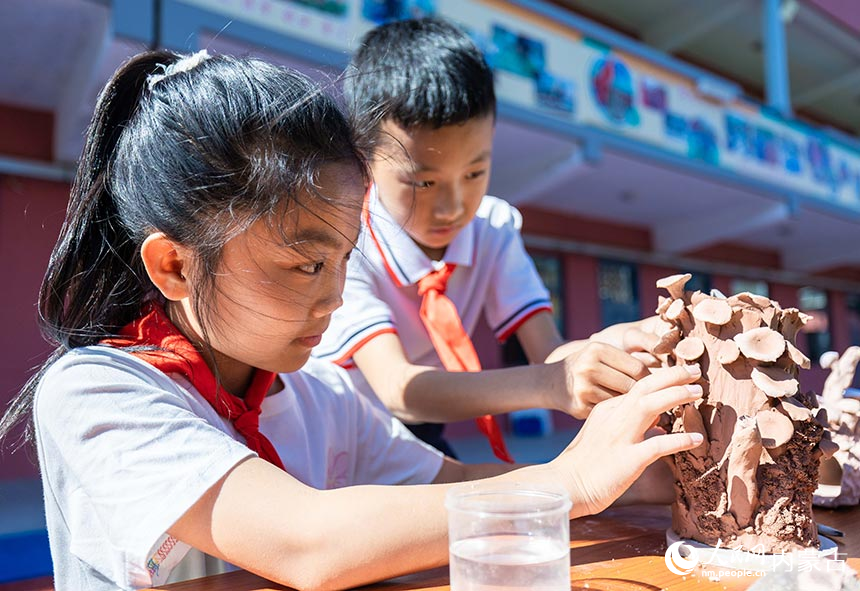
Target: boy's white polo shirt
494	276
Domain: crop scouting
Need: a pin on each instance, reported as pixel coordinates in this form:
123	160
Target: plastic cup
509	536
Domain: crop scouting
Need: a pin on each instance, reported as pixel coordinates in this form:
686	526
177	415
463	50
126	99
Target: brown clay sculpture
749	486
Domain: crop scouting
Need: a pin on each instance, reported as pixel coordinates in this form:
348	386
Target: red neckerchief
176	354
453	345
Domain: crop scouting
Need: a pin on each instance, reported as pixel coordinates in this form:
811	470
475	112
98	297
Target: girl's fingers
666	378
664	445
647	359
613	381
655	403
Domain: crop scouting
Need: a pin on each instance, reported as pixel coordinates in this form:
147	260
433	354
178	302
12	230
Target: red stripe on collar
365	213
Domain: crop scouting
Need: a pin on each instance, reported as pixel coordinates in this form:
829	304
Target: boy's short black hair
419	72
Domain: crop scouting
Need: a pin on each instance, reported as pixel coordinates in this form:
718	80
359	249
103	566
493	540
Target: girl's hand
611	450
595	373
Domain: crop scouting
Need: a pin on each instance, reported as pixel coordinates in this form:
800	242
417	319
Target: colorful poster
524	57
654	94
333	7
516	53
577	80
555	93
612	89
383	11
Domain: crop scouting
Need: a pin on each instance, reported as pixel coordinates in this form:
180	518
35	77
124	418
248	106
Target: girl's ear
166	265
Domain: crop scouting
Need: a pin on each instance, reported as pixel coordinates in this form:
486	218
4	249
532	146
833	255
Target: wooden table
619	550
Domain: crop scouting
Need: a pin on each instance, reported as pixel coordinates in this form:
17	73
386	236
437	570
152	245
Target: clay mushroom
752	299
775	428
797	356
674	284
792	320
690	349
774	382
675	309
761	344
774	317
795	410
713	311
667	341
729	352
697	297
750	319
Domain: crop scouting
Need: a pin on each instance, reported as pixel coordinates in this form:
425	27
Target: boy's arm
415	393
455	471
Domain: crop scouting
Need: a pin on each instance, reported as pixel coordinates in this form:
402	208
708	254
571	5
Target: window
756	286
852	309
813	301
618	291
852	314
549	268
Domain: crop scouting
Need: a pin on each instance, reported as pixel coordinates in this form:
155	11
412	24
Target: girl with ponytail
215	207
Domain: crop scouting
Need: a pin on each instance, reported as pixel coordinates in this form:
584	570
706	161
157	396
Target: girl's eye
311	268
422	184
476	174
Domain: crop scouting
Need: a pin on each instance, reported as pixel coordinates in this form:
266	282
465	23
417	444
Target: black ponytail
95	280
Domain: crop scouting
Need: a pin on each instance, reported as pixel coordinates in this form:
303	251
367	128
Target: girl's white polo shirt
494	277
125	450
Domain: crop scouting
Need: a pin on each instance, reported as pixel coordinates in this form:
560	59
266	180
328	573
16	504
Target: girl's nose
327	305
331	297
449	205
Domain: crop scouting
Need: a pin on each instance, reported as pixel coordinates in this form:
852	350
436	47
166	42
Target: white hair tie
183	65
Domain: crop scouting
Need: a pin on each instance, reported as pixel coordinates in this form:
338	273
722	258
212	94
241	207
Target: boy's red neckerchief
173	353
453	344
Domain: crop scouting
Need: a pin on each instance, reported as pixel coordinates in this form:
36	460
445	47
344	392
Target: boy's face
434	188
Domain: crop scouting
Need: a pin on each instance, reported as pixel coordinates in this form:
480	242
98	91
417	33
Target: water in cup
510	562
509	536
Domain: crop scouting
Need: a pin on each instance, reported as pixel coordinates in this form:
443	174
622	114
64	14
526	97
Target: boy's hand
595	373
612	450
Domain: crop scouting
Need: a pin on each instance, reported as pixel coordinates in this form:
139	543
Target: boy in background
436	252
